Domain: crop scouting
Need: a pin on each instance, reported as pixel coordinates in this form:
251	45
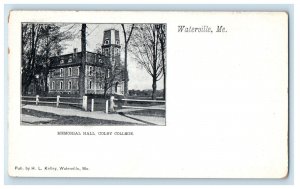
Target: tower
111	46
111	49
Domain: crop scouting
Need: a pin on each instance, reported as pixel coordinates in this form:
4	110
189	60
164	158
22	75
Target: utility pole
83	61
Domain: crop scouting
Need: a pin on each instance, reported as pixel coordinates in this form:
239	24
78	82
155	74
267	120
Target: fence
56	100
136	107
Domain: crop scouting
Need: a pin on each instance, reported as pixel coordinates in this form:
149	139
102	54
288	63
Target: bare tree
127	35
146	51
113	74
39	42
51	36
162	39
30	40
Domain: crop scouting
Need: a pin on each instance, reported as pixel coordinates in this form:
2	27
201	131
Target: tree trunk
154	76
46	85
126	74
164	71
126	40
154	88
83	61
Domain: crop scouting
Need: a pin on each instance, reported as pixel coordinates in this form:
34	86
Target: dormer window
117	42
70	59
106	42
61	61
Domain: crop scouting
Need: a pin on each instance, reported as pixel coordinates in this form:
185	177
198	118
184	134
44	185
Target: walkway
44	114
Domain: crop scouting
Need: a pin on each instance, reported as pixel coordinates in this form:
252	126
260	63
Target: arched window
90	70
108	73
69	71
116	87
70	85
106	52
90	84
61	86
61	72
53	85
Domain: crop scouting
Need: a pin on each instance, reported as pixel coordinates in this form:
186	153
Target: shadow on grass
146	122
155	113
70	120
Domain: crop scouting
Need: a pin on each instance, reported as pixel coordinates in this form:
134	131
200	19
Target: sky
138	77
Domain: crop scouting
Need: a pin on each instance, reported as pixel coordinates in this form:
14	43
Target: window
116	87
61	86
90	70
70	59
90	85
78	70
117	42
53	85
106	52
106	42
70	71
61	61
61	72
108	73
117	53
70	85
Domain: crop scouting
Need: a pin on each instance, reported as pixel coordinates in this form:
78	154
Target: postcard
148	94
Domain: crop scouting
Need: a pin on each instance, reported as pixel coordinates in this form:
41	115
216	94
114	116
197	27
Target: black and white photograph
148	94
93	74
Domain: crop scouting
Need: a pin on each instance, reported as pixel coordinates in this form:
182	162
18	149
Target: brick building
103	71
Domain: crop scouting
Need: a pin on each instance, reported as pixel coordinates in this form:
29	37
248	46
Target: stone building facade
104	72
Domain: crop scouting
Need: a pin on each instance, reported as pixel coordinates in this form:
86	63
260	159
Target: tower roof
111	37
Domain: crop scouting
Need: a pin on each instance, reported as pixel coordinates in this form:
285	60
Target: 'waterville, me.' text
201	29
